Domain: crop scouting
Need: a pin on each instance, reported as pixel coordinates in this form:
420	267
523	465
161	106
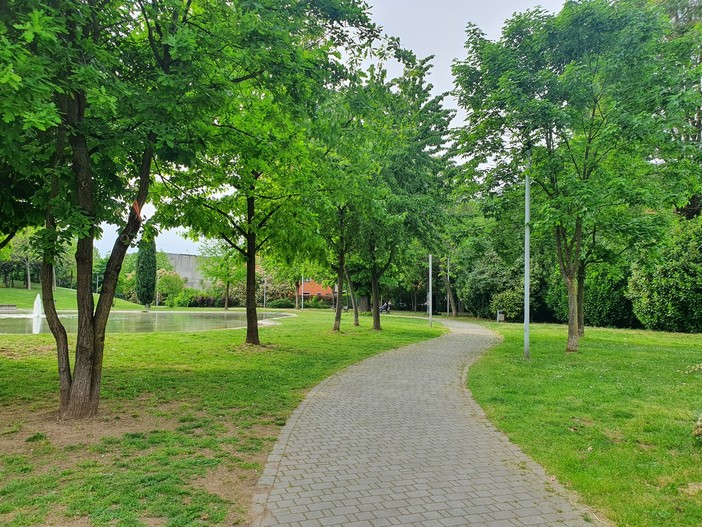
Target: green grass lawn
613	422
65	298
186	422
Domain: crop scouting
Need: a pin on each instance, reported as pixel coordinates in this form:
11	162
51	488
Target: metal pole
527	252
448	285
429	299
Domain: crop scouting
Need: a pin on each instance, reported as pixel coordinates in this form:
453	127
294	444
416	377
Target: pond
138	321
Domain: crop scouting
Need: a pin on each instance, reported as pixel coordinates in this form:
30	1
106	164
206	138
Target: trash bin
500	316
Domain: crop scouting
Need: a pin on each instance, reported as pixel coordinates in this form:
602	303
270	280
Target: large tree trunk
568	253
572	286
375	292
80	393
82	400
352	294
581	300
365	304
340	281
251	314
297	295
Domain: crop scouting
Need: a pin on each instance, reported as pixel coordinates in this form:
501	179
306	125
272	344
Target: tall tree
344	159
410	127
222	265
24	251
251	185
146	268
99	91
566	95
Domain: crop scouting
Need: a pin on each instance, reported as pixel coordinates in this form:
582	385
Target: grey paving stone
398	440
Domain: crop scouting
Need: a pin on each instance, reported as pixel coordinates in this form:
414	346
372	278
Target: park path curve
398	440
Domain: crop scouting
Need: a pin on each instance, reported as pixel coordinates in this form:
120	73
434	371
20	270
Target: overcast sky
437	27
428	27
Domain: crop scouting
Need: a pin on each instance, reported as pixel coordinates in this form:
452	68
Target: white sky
428	27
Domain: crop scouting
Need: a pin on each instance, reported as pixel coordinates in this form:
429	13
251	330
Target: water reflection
138	321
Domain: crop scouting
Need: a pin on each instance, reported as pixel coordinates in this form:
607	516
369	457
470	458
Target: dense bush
489	276
511	302
606	302
317	303
183	298
667	293
168	285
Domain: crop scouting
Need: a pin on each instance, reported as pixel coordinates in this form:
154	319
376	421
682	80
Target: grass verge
65	298
187	420
613	422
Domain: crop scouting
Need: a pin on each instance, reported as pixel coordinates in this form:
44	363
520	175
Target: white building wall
188	267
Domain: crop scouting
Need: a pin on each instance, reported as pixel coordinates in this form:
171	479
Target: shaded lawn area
186	423
613	422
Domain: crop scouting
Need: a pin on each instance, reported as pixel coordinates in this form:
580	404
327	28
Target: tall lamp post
527	251
429	294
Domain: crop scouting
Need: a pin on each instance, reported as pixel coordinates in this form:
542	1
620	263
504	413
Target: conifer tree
146	268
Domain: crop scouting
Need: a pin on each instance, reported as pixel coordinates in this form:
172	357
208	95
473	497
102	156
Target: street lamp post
429	299
527	252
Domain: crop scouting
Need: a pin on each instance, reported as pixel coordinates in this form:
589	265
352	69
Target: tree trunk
581	300
375	306
452	301
568	253
59	333
365	303
340	281
297	295
414	300
226	297
251	314
83	389
352	294
29	275
572	286
83	400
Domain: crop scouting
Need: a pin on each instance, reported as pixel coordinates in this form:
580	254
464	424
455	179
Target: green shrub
317	303
606	300
281	303
183	299
169	284
511	302
667	293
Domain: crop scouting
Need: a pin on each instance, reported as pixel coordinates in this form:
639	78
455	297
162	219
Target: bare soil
24	430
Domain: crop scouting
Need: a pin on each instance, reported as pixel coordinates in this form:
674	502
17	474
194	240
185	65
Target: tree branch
234	245
9	237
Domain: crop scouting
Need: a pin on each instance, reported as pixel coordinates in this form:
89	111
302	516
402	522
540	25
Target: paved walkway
397	440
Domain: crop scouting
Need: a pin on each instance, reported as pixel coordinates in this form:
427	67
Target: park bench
8	307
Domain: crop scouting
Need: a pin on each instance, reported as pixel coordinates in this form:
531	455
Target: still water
137	321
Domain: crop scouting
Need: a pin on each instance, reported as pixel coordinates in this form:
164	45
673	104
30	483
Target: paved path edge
257	511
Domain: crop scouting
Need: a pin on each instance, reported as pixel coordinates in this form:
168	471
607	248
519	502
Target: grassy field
186	420
613	422
65	298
